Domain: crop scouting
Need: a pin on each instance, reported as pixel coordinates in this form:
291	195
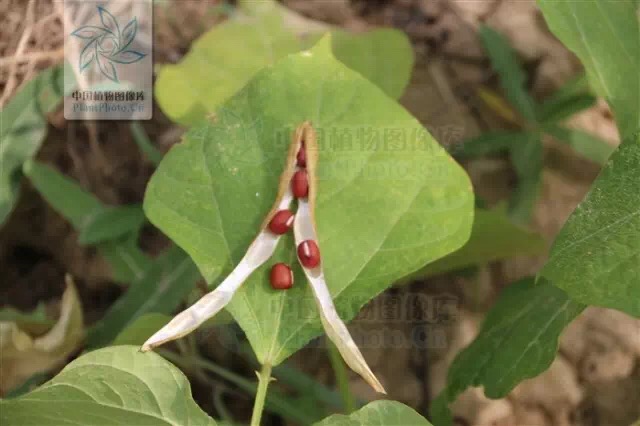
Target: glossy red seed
302	156
309	254
300	184
281	222
281	277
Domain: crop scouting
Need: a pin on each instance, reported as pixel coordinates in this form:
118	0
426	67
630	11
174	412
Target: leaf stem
342	379
264	377
276	403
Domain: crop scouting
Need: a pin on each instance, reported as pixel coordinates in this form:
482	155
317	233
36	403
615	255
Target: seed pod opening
301	158
281	277
309	254
300	184
281	222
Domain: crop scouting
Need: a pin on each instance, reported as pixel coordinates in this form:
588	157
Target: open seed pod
304	229
260	250
263	247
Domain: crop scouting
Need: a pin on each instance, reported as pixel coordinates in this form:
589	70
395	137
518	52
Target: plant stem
342	380
276	403
263	383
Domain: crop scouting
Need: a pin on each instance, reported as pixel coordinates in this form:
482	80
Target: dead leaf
23	355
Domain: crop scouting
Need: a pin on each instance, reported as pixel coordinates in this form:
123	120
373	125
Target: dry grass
32	35
31	38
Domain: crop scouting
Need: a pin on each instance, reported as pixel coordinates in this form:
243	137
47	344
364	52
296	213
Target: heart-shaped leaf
224	59
596	256
117	385
390	199
378	413
220	63
383	56
605	35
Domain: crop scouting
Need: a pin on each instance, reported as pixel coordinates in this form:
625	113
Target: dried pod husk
304	229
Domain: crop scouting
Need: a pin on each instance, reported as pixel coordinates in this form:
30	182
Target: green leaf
605	35
221	62
569	99
489	143
383	210
596	256
518	340
378	413
575	86
140	329
383	56
23	126
512	77
111	223
162	287
144	143
224	59
585	144
493	237
561	110
28	385
65	196
527	158
117	385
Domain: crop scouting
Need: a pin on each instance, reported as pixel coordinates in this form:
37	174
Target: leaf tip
324	46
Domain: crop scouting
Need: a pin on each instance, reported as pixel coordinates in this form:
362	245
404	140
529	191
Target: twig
31	56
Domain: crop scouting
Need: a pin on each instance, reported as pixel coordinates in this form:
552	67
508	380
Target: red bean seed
309	254
281	222
300	184
302	156
281	277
